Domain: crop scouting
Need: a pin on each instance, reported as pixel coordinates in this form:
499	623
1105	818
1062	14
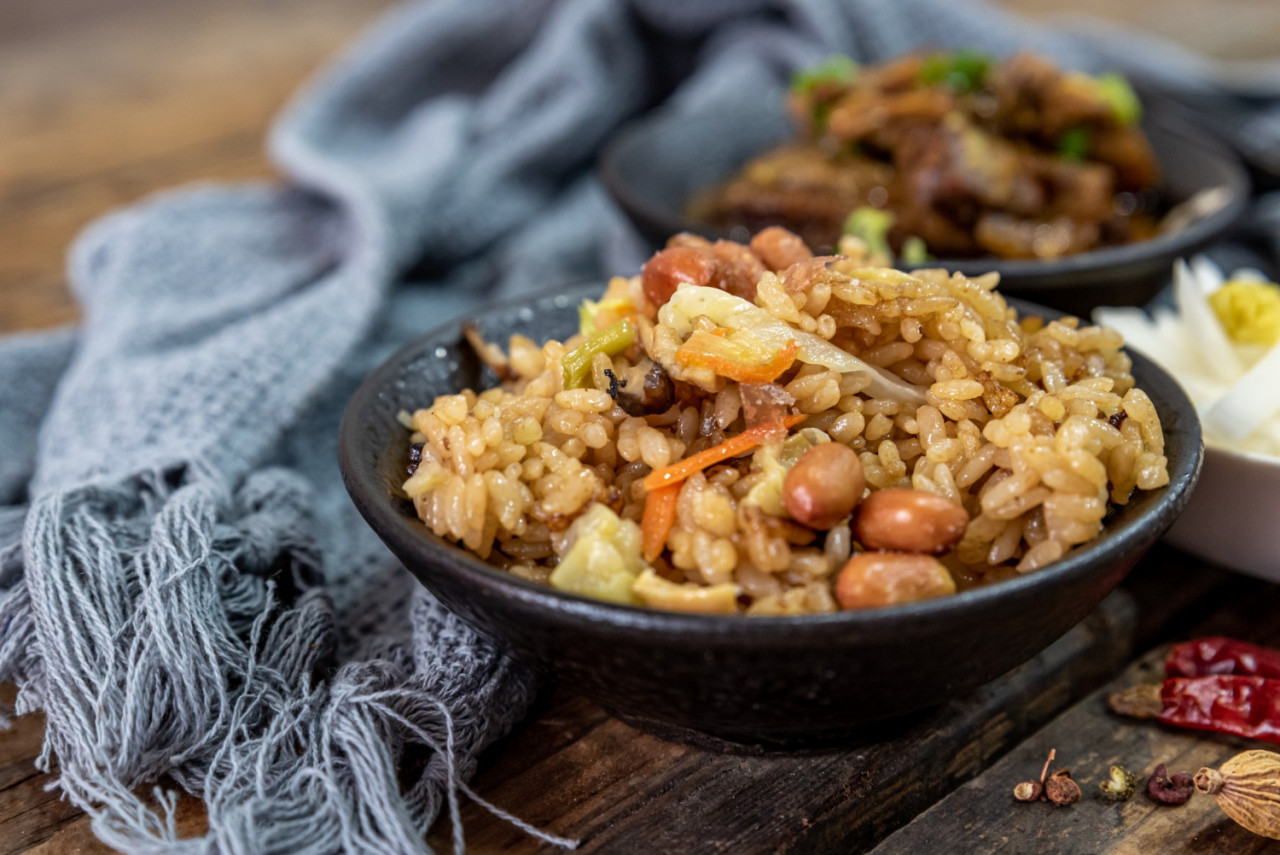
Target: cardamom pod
1247	788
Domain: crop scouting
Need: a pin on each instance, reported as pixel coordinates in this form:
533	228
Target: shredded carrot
739	371
659	517
731	447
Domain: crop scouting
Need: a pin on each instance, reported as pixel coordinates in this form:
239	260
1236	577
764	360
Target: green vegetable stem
612	340
835	70
1120	97
961	71
871	225
1074	144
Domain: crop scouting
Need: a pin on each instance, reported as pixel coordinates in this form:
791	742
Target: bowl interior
656	165
374	449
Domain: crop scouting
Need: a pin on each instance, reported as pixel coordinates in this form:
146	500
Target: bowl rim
1187	240
370	497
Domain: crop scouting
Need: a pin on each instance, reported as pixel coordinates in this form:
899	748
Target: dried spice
1218	684
1060	789
1121	786
1028	791
1239	704
1169	790
1057	788
1247	788
1204	657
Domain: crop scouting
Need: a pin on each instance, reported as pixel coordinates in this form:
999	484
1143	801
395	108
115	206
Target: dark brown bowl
770	681
654	166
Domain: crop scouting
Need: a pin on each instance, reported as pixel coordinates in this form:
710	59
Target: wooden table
103	101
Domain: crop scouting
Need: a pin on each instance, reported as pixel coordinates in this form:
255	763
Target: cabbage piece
775	463
661	593
725	309
604	558
596	315
766	494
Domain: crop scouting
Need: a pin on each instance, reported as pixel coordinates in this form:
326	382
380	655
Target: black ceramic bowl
653	167
762	681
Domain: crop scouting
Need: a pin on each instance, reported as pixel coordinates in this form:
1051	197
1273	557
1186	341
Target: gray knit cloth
185	590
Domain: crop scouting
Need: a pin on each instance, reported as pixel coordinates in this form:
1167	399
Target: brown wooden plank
982	817
101	107
29	813
1225	29
577	771
563	771
622	790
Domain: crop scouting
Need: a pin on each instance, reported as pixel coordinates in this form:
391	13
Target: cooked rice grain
1035	427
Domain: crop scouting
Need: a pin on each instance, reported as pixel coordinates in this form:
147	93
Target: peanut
824	485
906	520
872	579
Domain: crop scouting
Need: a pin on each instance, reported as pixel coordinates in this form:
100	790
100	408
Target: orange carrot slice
658	520
731	447
741	372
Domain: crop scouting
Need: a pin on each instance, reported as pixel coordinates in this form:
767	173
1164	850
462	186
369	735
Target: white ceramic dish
1233	517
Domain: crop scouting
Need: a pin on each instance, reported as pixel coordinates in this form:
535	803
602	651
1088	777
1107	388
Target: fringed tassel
180	631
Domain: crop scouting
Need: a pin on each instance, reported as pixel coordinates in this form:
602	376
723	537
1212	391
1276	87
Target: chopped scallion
836	70
612	340
1120	97
915	251
871	226
962	71
1074	144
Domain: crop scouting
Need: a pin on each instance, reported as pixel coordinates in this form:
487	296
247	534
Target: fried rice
1034	426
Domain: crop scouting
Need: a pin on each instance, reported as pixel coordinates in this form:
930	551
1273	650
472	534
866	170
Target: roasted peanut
738	269
824	485
663	273
872	579
908	520
779	248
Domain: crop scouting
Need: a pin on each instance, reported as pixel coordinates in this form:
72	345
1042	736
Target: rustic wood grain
982	817
580	774
98	110
621	790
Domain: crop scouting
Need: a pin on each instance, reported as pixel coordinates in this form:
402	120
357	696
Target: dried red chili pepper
1205	656
1226	703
